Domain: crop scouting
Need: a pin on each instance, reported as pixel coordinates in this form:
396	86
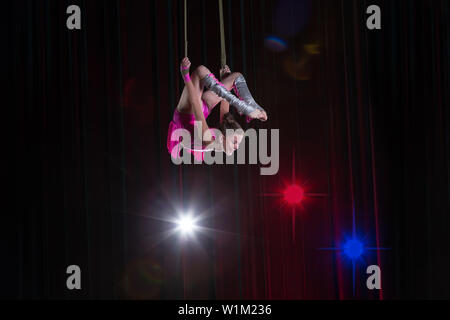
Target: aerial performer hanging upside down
201	93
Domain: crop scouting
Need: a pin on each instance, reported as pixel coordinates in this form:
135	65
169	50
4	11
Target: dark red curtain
364	128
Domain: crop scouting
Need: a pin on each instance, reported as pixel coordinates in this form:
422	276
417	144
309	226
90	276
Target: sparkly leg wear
218	88
242	91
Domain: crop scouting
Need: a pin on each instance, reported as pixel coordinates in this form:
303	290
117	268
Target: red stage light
293	194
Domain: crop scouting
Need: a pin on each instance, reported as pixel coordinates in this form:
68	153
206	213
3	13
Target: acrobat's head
232	134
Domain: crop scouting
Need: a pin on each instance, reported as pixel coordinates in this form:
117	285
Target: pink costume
185	121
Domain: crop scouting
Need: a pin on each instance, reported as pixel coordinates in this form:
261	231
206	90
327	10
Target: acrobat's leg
196	78
223	92
197	75
229	80
213	99
237	82
242	91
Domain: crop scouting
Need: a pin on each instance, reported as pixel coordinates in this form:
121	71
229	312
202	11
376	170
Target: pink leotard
185	121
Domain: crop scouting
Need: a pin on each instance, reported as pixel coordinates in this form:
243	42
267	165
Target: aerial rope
185	30
223	54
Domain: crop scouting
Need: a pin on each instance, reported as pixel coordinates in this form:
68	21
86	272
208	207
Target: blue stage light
353	248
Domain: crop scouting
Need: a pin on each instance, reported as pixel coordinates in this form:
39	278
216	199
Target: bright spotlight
186	224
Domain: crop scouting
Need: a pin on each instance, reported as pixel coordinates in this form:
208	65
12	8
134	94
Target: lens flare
353	248
293	194
186	224
275	44
291	16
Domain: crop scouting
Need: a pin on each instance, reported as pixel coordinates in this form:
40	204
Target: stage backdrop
364	130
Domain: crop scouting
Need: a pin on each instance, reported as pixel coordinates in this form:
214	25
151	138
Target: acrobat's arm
224	109
195	100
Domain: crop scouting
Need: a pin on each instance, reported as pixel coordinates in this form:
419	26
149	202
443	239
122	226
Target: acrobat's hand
224	72
184	69
258	114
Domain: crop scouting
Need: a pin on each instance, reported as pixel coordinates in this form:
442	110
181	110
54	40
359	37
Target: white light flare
186	224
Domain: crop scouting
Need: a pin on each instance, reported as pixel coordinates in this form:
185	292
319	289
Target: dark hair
229	122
